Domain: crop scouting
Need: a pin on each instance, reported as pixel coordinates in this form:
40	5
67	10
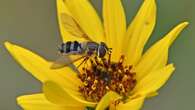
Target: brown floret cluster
103	75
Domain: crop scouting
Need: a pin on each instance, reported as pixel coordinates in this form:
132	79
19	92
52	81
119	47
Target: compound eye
104	45
101	52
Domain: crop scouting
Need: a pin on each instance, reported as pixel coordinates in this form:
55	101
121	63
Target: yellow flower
64	90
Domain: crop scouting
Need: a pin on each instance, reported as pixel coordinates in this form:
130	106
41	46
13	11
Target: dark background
33	24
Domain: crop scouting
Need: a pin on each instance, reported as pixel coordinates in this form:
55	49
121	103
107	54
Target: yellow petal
61	10
87	18
114	24
153	94
40	68
154	80
156	57
139	31
132	104
107	100
62	96
39	102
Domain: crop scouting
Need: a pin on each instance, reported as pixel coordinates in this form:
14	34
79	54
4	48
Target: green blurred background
33	24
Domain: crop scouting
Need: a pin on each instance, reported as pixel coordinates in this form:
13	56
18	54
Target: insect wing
73	27
66	60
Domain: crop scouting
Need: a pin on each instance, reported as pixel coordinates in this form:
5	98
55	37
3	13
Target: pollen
103	76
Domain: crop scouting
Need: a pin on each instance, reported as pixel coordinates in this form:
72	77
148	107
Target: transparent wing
72	26
66	60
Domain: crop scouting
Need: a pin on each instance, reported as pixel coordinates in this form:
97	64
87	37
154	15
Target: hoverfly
72	51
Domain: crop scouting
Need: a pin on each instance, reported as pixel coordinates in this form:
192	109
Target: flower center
102	75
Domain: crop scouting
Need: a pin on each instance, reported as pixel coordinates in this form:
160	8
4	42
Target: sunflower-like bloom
128	79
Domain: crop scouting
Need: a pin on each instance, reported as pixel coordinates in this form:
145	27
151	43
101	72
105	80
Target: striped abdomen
71	47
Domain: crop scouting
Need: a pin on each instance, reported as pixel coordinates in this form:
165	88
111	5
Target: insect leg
84	60
109	55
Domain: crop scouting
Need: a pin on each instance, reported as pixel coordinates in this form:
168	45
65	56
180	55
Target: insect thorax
91	47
